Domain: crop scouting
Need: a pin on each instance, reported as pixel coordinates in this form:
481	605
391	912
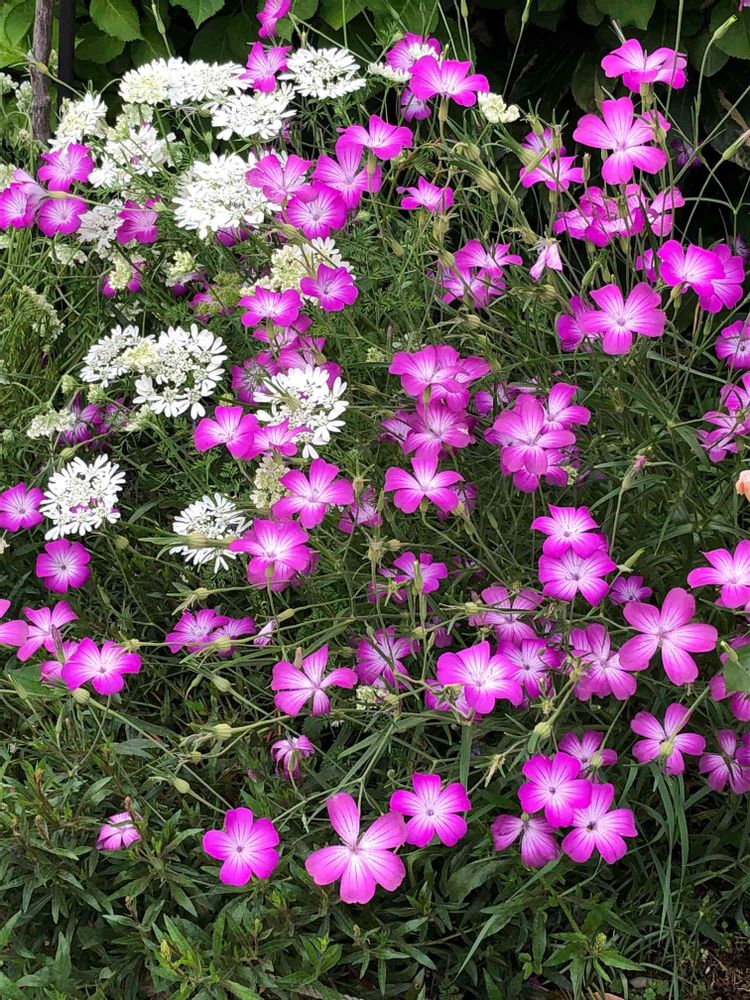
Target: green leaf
94	46
337	13
589	13
243	992
736	41
117	18
18	22
224	39
737	668
637	12
199	10
151	46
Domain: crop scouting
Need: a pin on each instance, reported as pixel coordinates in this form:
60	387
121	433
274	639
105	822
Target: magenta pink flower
538	844
409	49
598	827
231	426
364	510
44	628
414	108
548	257
629	588
316	209
570	574
119	831
438	373
449	79
194	631
379	658
263	64
296	685
278	553
528	663
666	741
739	701
568	528
508	612
138	223
724	292
104	667
626	135
435	428
364	860
433	810
63	565
61	215
347	174
637	67
383	140
617	319
17	209
421	571
554	785
484	678
558	409
246	845
19	508
723	768
62	167
435	199
12	633
547	165
281	308
280	438
670	631
569	327
730	571
605	671
733	344
312	495
333	287
272	12
425	484
691	267
278	176
524	438
287	754
587	750
50	671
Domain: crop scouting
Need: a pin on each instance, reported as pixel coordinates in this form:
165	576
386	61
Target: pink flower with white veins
279	176
296	685
17	210
230	425
629	588
733	344
119	831
559	409
507	613
688	267
730	571
61	215
333	287
383	140
426	483
627	136
666	741
409	49
272	12
450	78
379	658
524	437
262	66
280	308
422	571
529	663
570	574
316	210
617	319
669	630
538	844
434	199
278	553
63	565
287	754
605	672
19	507
433	810
484	677
103	667
570	329
637	67
555	786
723	768
548	257
347	174
311	495
45	622
587	750
364	860
63	167
50	671
568	528
598	827
434	428
139	223
247	846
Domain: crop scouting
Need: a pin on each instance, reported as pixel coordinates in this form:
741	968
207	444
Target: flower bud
81	696
221	684
222	731
181	786
742	486
121	543
722	29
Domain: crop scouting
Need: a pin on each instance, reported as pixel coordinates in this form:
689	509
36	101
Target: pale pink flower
104	667
548	257
670	631
296	685
538	844
364	860
433	810
587	750
119	831
484	677
733	344
598	827
246	845
666	741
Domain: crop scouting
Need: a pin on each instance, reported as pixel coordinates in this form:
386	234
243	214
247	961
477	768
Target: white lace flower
104	360
79	120
184	367
204	523
323	73
82	497
294	261
259	116
495	110
214	195
100	224
390	73
266	486
304	397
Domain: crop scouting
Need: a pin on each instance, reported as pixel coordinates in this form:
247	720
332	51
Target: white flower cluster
214	195
267	488
304	397
389	73
292	262
323	73
175	371
496	111
131	149
50	424
178	83
100	224
79	120
258	116
82	497
205	522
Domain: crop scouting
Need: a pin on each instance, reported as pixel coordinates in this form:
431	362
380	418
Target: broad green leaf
117	18
199	10
18	22
589	13
224	39
636	12
243	992
92	45
337	13
737	668
736	41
